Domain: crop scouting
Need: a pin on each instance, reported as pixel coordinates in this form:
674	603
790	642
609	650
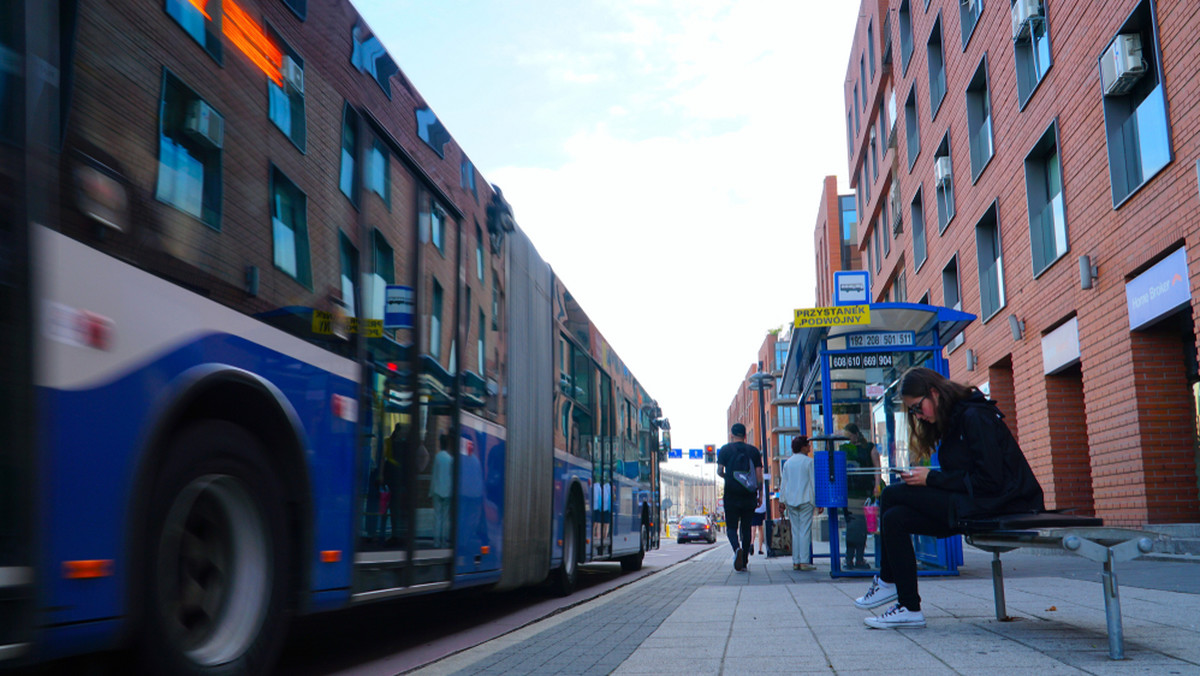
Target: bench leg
998	588
1112	611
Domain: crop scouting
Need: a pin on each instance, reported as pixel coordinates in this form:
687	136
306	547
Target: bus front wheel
215	582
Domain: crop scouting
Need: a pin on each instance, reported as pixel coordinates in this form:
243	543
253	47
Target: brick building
1032	163
836	238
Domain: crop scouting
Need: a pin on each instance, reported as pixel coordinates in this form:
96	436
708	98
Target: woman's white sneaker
880	593
896	617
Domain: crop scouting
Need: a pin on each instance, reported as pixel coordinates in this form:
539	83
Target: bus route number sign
860	360
880	339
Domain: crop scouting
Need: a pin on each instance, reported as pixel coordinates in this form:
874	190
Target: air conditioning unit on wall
942	173
1122	65
205	124
293	75
1023	13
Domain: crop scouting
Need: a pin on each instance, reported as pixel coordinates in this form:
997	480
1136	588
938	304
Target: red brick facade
1115	434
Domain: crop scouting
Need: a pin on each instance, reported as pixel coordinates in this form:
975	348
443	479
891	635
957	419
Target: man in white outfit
799	497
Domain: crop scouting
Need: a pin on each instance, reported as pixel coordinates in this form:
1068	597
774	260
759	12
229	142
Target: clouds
665	157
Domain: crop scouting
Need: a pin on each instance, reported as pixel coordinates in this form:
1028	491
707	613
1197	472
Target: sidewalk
702	617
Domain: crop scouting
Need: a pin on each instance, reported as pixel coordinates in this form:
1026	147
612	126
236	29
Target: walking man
740	464
799	497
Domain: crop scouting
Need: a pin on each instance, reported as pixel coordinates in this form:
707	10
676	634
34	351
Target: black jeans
737	523
905	511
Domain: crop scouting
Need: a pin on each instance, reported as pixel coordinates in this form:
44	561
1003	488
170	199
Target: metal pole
762	435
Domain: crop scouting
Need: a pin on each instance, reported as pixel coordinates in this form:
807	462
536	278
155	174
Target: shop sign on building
1060	347
1159	291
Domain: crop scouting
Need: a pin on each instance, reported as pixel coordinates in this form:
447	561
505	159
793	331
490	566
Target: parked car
696	528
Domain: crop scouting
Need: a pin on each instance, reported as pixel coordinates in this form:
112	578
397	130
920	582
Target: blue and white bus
270	346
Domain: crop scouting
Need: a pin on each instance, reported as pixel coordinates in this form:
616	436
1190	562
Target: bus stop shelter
846	374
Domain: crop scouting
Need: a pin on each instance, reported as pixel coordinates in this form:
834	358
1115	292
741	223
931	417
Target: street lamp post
761	382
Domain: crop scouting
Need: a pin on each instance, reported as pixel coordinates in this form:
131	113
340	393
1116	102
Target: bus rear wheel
215	576
567	575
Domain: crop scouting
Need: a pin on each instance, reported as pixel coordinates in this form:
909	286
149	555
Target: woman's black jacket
982	464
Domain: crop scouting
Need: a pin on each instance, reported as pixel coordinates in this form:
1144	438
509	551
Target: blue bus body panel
480	502
93	452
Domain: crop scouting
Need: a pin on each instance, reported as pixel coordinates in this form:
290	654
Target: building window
285	104
431	131
1031	48
874	156
912	127
495	301
937	68
789	416
952	295
943	176
378	172
348	178
289	228
1135	107
437	227
862	77
481	344
979	120
849	223
871	47
349	256
191	134
891	115
991	264
781	350
850	133
875	249
951	291
968	16
1043	192
886	235
900	289
918	230
435	323
466	177
203	25
478	252
906	35
854	105
298	7
383	272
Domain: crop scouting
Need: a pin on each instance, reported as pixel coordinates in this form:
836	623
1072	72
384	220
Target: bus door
602	453
432	454
386	477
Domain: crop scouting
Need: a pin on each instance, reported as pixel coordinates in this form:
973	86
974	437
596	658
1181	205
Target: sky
665	157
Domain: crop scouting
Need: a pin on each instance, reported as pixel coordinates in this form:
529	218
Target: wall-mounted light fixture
1088	273
970	360
251	280
1016	326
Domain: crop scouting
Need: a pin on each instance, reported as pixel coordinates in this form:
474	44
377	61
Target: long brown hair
920	382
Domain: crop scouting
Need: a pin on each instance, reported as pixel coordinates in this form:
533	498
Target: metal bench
1079	535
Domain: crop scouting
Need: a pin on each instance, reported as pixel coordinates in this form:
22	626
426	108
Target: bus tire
633	562
214	597
566	576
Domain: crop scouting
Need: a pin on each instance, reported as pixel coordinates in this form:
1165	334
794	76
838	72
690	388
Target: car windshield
693	520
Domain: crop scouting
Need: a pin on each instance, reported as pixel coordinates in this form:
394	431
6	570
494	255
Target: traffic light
710	453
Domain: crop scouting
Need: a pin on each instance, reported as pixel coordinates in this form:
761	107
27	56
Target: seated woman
981	470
